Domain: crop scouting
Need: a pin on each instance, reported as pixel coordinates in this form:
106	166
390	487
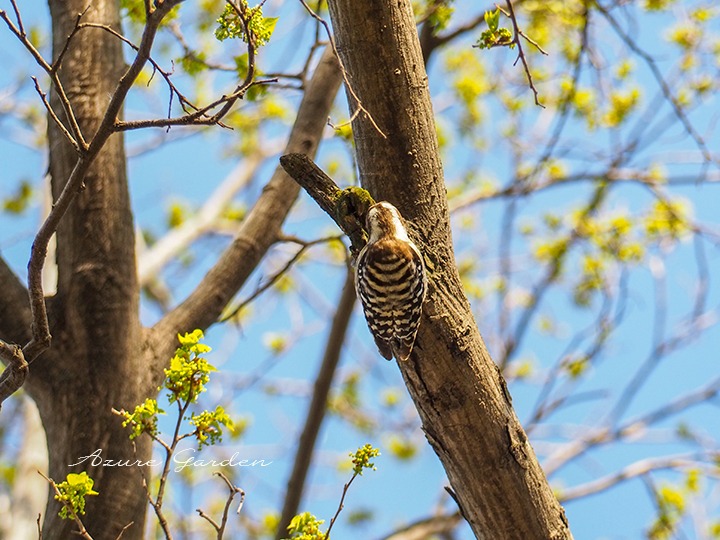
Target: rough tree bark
460	394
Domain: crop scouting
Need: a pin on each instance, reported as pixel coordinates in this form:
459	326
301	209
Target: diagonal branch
199	116
634	470
52	70
521	53
440	526
360	107
346	207
16	371
14	310
272	280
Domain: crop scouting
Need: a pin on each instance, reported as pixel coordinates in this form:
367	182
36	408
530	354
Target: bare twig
358	103
125	528
19	32
169	451
58	61
184	102
276	276
54	116
430	44
234	490
341	505
521	54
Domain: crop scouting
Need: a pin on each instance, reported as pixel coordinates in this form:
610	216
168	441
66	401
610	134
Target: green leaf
72	493
18	203
231	25
305	526
492	19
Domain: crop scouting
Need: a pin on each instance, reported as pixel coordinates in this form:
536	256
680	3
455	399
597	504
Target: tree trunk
94	363
460	394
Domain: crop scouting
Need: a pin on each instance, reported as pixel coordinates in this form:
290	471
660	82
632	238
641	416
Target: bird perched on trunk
390	281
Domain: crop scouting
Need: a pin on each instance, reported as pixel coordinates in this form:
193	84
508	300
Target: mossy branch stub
347	207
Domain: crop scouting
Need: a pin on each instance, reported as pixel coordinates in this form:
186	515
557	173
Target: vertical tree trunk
459	392
94	361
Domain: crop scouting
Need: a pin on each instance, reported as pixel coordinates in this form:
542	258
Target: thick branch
262	226
318	405
14	309
436	526
16	371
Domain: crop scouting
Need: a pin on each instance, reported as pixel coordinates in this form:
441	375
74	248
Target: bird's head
384	220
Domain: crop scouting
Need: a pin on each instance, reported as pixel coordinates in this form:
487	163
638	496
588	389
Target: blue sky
189	169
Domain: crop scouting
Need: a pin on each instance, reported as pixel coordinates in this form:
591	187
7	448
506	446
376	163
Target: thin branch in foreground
184	102
341	505
19	32
276	276
125	528
54	116
58	61
234	490
41	338
521	54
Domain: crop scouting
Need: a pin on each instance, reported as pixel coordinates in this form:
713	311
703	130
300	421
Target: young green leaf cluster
609	241
189	372
143	419
361	458
494	36
209	426
306	526
245	23
72	493
185	379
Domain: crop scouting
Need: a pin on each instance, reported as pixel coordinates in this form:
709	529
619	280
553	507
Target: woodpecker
391	283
